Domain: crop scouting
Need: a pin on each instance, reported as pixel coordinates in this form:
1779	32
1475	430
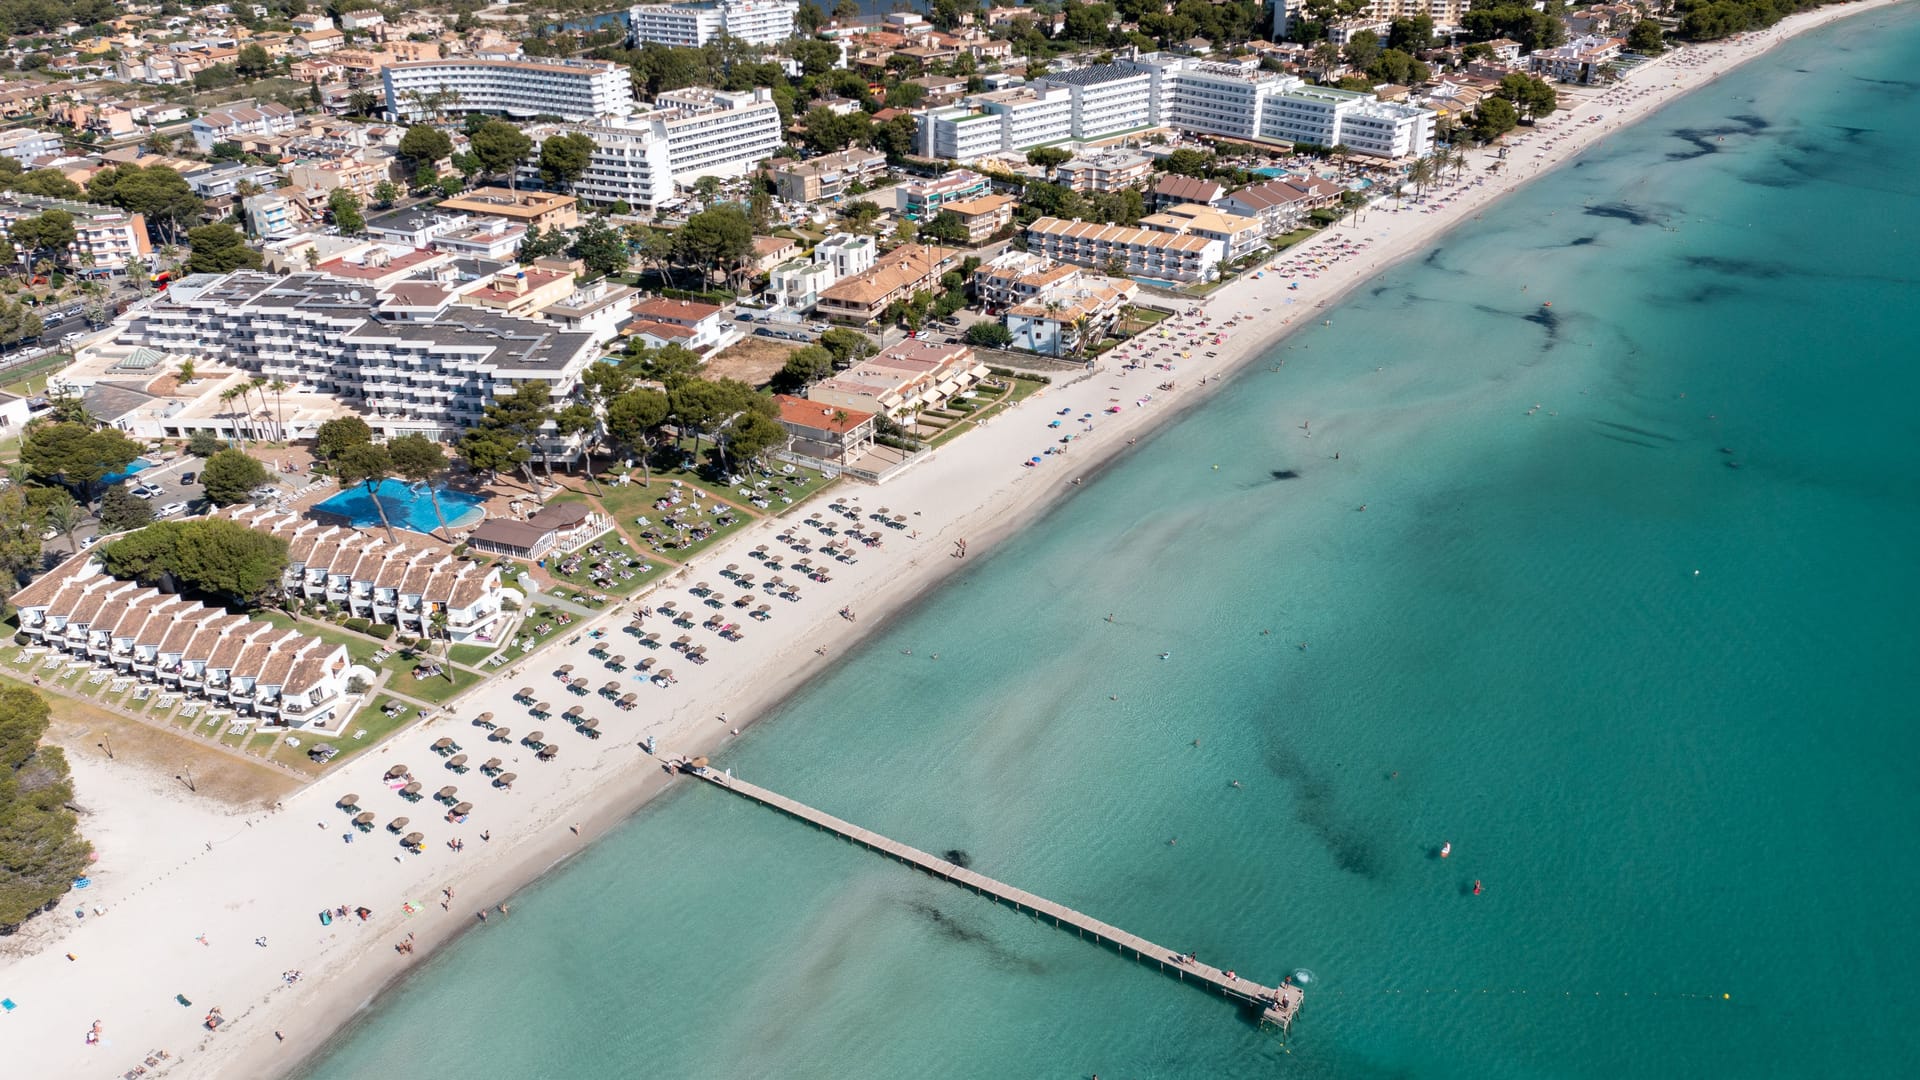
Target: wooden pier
1276	1005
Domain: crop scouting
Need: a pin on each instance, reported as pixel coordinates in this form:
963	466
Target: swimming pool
134	466
407	506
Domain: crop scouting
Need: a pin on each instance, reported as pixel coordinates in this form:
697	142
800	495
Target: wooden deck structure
1276	1005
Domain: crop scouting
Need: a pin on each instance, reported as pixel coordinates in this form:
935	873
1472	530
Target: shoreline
977	499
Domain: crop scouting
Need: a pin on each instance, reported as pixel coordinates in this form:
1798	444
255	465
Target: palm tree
279	387
437	624
258	384
227	397
185	373
66	517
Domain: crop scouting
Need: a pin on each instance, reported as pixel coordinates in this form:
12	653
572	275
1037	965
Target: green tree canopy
807	364
47	235
121	510
601	247
500	146
848	346
41	850
212	557
344	207
230	477
1188	162
49	182
337	436
157	192
422	147
1647	38
75	455
218	248
564	159
990	335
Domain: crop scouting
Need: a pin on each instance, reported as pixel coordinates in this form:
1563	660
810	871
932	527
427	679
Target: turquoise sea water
1675	786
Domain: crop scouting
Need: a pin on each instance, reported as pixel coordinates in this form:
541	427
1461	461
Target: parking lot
167	482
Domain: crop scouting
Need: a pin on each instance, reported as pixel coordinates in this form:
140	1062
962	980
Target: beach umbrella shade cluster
548	753
348	802
505	780
397	772
396	824
364	819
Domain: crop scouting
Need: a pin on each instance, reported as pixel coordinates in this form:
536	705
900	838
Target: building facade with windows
643	160
570	89
689	26
205	653
405	355
105	240
1124	250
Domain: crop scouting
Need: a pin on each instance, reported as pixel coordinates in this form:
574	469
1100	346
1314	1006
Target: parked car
170	509
188	477
88	542
145	492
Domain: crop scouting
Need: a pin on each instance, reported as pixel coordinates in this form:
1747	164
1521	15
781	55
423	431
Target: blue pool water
136	465
406	507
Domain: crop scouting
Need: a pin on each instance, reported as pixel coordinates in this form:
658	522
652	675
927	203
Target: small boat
1446	849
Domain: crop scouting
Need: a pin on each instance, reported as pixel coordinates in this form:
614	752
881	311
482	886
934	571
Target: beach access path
183	917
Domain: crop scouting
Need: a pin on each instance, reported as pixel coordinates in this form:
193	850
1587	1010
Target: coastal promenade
1277	1005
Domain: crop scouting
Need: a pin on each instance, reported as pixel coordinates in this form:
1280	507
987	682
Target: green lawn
473	655
376	724
434	688
619	555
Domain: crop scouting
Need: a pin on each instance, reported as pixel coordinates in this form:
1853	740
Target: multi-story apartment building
1582	60
1105	170
570	89
269	217
405	354
825	177
531	209
104	239
1108	100
922	200
1444	13
997	122
204	652
25	145
907	269
688	134
1239	236
385	581
237	121
756	22
1120	249
847	253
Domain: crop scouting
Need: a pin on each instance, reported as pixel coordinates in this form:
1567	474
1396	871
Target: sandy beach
223	909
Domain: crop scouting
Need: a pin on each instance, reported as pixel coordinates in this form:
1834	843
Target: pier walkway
1277	1004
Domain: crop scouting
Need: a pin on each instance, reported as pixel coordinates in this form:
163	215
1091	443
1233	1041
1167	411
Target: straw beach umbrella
441	745
504	734
397	824
505	779
458	762
492	765
447	793
548	753
397	771
348	802
463	809
364	819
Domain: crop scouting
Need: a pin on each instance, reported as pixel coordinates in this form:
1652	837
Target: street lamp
187	779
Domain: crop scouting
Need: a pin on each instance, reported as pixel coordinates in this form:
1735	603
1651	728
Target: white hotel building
1231	100
404	355
688	134
1242	102
756	22
571	89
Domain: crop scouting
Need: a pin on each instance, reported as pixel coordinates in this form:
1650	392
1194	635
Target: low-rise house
1069	315
269	217
687	323
316	43
771	251
797	285
822	432
26	145
361	20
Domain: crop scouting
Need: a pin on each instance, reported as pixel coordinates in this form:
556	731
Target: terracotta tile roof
812	414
